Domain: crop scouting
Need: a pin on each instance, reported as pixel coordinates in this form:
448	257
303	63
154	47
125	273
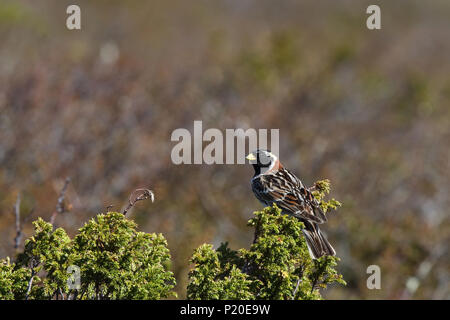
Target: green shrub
115	262
277	265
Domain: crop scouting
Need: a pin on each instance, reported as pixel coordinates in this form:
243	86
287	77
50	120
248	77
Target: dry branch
60	205
142	194
19	233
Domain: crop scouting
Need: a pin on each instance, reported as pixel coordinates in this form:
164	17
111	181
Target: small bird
272	183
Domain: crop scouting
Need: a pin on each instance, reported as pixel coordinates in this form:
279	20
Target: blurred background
368	110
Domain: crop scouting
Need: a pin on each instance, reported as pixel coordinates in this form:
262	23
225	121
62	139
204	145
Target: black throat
260	169
257	169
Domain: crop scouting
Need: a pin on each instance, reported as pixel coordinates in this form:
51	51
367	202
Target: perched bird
272	183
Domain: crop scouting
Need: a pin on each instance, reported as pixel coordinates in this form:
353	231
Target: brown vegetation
368	110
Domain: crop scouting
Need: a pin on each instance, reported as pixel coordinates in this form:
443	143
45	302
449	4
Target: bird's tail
318	245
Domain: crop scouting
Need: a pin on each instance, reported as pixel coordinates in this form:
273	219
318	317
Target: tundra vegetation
115	261
368	109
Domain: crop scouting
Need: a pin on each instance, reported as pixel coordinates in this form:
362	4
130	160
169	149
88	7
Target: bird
274	184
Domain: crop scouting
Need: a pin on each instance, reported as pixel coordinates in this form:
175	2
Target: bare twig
61	293
296	288
300	276
33	265
60	205
19	233
30	283
142	194
19	225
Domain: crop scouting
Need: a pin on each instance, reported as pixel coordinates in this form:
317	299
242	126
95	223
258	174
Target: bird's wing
288	193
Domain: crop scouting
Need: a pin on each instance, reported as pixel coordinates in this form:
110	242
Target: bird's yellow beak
250	157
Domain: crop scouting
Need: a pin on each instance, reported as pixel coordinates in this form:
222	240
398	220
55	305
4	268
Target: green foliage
13	281
115	261
277	265
323	188
217	275
47	252
118	262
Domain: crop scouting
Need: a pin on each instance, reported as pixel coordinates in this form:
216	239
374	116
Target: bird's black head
262	160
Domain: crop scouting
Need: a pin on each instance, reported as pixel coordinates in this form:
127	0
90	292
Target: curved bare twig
142	194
